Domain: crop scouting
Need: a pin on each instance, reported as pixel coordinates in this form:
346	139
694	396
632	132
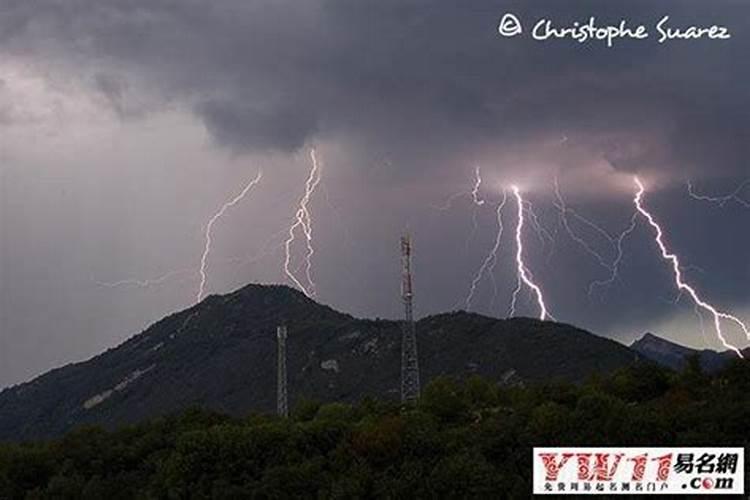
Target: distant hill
675	356
221	354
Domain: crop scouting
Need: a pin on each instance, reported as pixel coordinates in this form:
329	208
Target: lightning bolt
619	246
535	222
271	245
303	221
265	251
209	227
722	200
489	262
701	322
473	193
717	315
477	202
524	277
565	213
617	243
144	283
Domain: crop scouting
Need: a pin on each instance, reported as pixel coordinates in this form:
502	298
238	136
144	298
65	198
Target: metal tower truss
409	359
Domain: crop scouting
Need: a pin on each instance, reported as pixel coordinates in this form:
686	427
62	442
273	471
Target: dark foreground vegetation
465	439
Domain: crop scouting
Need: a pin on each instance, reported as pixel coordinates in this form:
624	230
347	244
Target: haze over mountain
221	354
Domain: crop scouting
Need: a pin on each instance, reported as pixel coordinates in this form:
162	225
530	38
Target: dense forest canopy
465	438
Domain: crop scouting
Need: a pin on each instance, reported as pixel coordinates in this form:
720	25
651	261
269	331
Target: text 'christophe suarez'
545	29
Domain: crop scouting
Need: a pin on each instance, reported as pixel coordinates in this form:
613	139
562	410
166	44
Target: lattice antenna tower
409	359
282	403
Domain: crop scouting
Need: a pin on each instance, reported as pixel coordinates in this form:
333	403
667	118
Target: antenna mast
282	406
409	360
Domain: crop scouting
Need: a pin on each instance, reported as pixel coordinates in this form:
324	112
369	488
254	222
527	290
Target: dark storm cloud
405	75
118	94
403	97
283	127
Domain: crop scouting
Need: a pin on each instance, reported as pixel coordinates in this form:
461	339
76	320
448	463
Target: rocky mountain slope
675	356
221	354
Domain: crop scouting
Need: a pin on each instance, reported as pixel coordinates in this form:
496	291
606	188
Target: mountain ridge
221	354
675	356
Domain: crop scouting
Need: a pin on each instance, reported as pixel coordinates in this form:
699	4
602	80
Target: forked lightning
489	262
303	221
209	228
682	286
524	277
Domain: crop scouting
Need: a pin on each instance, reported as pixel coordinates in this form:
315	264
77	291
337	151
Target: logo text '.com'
668	471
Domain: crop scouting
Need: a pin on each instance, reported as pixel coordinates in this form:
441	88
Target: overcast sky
124	126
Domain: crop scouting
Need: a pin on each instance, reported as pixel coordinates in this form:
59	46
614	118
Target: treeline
469	439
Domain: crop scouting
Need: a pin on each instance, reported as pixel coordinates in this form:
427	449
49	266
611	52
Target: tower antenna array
409	359
282	405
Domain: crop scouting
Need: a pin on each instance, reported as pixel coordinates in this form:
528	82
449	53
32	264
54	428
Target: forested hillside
470	439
